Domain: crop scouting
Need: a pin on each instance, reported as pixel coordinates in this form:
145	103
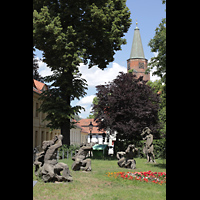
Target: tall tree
158	87
158	45
70	32
127	105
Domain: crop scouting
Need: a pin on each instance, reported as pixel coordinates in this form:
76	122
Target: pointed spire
137	48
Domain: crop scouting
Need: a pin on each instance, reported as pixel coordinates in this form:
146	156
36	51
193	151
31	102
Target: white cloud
86	113
153	77
155	54
43	69
86	100
95	76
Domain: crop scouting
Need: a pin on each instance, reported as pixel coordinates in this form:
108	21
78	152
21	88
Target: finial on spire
136	23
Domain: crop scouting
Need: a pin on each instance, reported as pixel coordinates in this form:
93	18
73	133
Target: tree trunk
65	131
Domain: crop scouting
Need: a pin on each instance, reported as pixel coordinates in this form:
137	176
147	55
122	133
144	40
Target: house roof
38	86
85	122
76	123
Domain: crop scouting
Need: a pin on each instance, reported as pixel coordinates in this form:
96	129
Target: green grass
95	185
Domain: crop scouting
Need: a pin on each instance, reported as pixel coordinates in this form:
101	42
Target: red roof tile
85	122
38	86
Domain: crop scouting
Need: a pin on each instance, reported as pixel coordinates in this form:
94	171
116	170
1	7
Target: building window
141	65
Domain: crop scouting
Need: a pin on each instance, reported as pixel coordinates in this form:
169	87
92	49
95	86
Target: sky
148	14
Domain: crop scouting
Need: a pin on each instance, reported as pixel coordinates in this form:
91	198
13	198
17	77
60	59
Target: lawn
96	185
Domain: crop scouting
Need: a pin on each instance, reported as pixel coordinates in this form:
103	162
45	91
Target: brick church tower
137	61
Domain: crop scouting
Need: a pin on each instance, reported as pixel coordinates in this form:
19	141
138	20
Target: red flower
141	176
130	177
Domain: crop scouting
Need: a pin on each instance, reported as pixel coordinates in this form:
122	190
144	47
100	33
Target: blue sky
148	14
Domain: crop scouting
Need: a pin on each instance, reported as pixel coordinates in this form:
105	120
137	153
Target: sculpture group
47	166
80	160
126	158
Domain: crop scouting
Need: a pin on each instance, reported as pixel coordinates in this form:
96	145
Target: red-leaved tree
127	105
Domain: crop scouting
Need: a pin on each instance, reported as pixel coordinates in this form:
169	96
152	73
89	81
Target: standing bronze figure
148	148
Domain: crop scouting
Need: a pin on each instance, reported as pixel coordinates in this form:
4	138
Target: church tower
137	61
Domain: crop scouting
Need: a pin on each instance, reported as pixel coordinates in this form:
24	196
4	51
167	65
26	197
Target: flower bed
149	176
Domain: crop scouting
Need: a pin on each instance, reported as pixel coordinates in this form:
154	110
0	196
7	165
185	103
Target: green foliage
87	31
90	117
158	45
127	105
159	146
94	113
68	33
55	101
130	70
158	86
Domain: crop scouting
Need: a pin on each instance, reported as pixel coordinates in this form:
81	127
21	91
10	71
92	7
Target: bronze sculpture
148	145
80	160
46	164
126	158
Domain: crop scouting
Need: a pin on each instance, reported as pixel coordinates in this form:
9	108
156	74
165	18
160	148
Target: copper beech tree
127	105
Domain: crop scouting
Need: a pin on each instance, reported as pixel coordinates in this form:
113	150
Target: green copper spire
137	49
